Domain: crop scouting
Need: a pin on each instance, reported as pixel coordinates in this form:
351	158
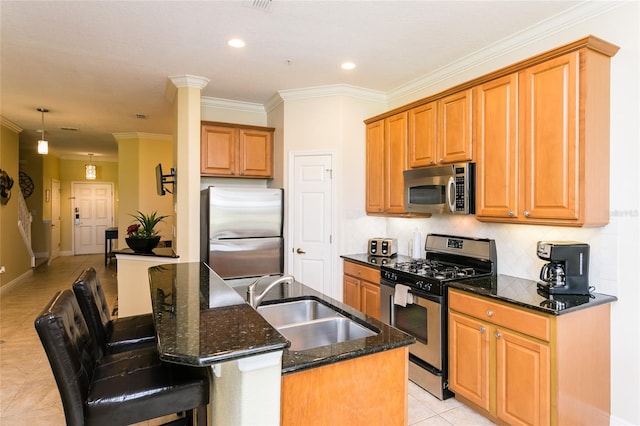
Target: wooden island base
368	390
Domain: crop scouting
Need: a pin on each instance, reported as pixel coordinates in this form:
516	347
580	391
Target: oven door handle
392	311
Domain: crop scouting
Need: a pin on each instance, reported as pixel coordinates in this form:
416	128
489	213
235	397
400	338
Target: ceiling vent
261	4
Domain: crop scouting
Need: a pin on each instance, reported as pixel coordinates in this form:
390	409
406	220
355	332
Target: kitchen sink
298	311
309	324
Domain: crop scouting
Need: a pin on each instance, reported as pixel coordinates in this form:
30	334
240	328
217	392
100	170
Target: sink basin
287	313
322	332
310	324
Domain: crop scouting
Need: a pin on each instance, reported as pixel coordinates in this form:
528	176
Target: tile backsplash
516	244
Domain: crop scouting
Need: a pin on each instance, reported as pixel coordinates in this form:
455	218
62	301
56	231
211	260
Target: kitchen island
203	321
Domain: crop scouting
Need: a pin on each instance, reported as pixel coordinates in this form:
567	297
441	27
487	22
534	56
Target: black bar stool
110	335
118	389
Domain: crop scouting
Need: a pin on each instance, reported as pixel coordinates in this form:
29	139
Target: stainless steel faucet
254	300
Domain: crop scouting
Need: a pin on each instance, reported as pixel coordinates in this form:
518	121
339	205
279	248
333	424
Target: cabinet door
370	299
550	133
375	167
351	291
523	380
423	124
218	147
469	359
256	153
396	162
496	124
455	131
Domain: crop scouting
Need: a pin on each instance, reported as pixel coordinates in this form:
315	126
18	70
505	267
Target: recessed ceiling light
236	42
348	66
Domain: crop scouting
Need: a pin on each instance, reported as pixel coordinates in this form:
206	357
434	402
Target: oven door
421	319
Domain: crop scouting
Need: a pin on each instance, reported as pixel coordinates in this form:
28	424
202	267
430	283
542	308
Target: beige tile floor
28	393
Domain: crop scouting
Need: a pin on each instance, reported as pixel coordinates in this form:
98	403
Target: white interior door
312	209
92	212
55	220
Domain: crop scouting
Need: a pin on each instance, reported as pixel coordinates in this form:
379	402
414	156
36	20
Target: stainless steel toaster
383	246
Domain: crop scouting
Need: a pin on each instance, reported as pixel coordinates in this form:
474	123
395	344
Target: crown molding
189	80
511	43
333	90
208	102
140	135
10	125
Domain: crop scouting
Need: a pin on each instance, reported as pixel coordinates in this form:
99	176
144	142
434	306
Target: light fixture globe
43	145
90	172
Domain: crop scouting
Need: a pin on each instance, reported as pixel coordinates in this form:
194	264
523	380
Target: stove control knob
420	284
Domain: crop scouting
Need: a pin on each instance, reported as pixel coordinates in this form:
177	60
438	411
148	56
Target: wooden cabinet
542	143
369	390
361	288
523	367
440	132
386	161
234	151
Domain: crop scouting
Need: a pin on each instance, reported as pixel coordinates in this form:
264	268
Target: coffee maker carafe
568	269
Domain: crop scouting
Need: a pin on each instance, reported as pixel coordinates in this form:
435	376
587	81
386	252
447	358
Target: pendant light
90	169
43	145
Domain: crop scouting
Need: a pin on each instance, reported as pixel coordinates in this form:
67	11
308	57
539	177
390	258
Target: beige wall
71	171
14	256
138	156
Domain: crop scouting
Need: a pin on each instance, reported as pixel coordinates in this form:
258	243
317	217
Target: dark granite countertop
375	261
525	293
202	320
157	252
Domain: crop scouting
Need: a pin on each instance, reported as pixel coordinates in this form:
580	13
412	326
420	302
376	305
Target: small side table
110	234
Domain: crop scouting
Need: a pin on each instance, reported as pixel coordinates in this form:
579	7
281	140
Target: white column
247	391
184	94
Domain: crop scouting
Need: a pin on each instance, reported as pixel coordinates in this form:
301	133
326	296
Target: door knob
300	251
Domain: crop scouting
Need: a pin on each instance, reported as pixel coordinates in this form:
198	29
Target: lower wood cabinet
528	368
368	390
361	288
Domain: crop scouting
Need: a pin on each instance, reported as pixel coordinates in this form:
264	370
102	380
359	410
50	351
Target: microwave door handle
451	194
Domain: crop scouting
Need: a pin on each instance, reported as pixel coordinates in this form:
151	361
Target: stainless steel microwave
448	189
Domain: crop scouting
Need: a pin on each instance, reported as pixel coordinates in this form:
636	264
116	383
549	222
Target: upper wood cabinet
228	150
542	143
440	132
386	161
538	131
496	138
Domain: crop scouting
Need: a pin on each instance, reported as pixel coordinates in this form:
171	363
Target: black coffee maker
568	269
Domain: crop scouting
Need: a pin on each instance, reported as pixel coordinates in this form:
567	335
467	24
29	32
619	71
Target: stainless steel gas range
414	299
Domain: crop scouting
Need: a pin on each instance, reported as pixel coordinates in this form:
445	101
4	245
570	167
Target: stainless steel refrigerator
241	231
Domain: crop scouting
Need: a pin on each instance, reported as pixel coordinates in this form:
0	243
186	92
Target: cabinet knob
432	162
510	213
482	329
489	313
442	160
527	213
498	335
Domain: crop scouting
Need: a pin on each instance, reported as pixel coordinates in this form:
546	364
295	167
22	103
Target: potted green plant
142	236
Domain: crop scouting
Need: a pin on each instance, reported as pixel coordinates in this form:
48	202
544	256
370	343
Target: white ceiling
96	64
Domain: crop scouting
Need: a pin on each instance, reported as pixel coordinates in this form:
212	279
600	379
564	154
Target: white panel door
92	214
55	219
312	221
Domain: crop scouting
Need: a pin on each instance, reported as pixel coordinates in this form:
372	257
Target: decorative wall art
6	183
26	184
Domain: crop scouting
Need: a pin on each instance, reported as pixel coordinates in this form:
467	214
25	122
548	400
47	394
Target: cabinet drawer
520	320
362	272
